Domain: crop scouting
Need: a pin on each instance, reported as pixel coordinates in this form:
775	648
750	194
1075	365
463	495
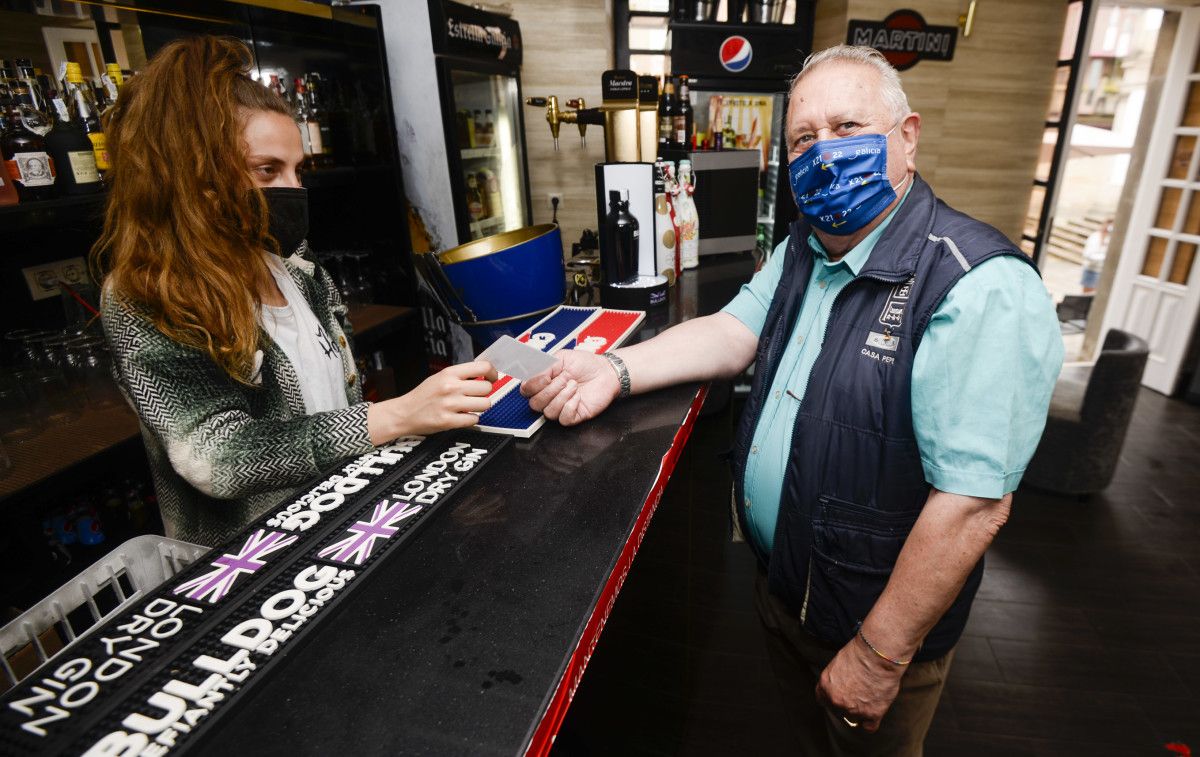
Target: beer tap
581	116
619	114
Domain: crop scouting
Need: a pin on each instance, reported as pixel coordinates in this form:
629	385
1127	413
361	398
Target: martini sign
904	38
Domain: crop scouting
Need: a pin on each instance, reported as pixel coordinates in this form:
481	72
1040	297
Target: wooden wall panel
829	26
568	45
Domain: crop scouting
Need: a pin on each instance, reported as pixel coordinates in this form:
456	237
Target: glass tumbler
20	419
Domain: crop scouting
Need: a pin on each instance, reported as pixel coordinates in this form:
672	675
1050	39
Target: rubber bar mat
153	678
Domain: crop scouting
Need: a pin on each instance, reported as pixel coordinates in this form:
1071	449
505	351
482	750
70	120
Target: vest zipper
832	311
807	588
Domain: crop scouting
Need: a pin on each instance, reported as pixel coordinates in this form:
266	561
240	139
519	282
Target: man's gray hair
890	87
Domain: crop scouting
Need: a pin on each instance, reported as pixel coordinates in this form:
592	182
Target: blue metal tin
504	283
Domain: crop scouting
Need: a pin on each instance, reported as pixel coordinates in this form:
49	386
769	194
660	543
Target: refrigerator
738	75
478	65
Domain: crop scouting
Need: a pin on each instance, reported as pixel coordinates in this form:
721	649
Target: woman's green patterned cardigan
221	452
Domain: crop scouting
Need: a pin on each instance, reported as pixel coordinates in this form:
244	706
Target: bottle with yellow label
89	116
69	145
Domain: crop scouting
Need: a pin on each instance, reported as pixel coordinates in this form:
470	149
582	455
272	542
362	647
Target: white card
517	359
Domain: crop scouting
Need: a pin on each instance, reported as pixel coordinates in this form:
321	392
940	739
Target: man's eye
847	126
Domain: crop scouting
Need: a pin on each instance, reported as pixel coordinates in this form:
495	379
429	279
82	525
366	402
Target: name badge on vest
892	317
883	341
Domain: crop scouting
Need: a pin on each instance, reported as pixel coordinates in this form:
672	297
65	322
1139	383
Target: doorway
1100	116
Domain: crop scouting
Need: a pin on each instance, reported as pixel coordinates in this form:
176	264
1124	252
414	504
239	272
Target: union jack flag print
215	584
360	538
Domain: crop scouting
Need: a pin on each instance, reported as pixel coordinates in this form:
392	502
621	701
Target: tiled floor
1084	639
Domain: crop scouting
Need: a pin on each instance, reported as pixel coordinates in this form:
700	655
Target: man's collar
856	257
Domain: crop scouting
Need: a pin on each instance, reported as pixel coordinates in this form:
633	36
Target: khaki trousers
797	659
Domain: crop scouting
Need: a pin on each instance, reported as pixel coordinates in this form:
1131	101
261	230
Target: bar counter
473	638
470	637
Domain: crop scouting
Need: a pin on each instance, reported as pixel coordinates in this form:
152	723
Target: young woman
232	347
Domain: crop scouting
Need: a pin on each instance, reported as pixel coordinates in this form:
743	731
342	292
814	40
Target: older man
905	357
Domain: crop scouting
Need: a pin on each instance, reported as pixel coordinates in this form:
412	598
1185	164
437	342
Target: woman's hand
451	398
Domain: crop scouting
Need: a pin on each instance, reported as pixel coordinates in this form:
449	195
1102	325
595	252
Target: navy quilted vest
854	484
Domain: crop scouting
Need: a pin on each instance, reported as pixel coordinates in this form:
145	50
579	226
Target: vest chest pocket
854	549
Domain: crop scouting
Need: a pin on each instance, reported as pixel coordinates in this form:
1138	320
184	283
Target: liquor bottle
474	201
310	128
480	130
89	117
113	81
276	86
68	143
300	116
486	211
664	226
728	134
469	124
618	262
689	222
318	113
8	190
489	186
24	148
489	127
666	116
684	117
27	75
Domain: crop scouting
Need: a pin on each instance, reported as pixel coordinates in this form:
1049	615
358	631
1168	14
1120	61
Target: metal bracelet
622	373
871	647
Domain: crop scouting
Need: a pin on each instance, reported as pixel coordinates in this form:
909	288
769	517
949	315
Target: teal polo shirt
981	381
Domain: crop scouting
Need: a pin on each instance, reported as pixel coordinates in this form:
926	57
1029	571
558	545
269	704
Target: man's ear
910	131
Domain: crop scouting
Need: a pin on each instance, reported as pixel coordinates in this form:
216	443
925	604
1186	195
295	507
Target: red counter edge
547	728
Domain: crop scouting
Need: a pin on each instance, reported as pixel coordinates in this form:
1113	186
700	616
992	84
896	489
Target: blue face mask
841	185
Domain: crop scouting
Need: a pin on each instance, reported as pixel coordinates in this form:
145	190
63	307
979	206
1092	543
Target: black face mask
288	208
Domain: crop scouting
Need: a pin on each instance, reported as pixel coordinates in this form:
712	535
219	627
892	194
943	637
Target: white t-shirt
312	352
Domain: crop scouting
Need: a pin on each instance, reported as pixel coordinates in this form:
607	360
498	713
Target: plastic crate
105	588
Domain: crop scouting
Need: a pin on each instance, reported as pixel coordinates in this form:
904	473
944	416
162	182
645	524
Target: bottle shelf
477	153
57	212
65	445
62	211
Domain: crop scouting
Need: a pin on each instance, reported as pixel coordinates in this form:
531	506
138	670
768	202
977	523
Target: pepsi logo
736	54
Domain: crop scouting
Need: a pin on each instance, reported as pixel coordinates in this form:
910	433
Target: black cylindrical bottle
619	259
70	148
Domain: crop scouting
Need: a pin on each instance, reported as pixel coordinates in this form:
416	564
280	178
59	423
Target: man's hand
859	686
575	389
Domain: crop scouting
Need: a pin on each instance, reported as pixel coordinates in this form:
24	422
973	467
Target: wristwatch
622	373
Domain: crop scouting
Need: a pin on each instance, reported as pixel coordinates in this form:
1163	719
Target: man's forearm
715	346
946	542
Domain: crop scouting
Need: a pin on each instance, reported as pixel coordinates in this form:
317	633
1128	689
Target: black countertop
469	637
457	643
472	638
